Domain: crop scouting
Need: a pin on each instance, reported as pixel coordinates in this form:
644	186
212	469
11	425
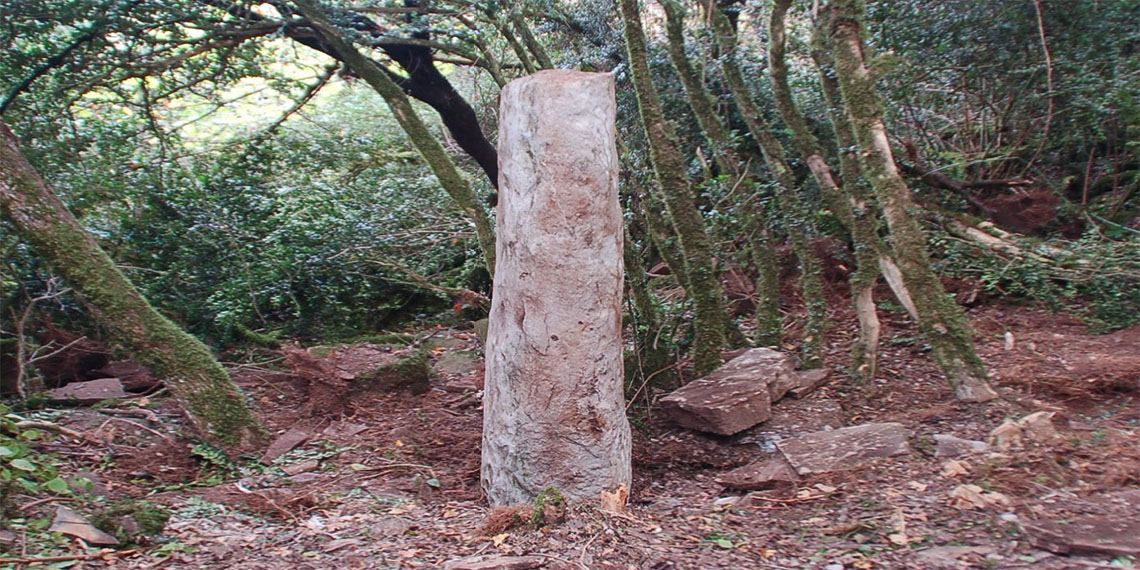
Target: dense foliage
245	185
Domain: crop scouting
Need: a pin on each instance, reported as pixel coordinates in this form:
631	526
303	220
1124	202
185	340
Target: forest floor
395	483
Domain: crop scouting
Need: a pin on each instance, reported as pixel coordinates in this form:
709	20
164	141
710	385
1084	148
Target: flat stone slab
736	396
844	449
1093	535
810	381
495	563
284	444
760	475
949	446
89	392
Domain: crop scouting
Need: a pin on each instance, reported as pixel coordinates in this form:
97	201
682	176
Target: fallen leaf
499	539
863	564
826	488
68	522
899	539
920	487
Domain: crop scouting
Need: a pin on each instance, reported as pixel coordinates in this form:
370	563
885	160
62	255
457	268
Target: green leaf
724	543
6	451
57	485
433	483
23	465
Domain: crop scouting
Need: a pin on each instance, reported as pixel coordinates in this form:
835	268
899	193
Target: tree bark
199	383
787	200
709	317
940	319
432	151
769	328
554	411
844	203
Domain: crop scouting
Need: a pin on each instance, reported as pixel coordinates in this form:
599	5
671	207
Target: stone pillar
553	409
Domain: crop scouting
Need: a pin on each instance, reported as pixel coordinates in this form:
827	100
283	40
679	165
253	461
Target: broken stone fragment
70	523
495	563
734	397
950	446
89	392
1014	434
844	449
760	475
975	497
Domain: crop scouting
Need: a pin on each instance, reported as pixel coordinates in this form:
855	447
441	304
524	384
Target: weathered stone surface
554	408
975	497
285	443
736	396
953	557
495	563
810	381
89	392
844	449
760	475
134	376
1094	534
949	446
457	363
1014	434
70	523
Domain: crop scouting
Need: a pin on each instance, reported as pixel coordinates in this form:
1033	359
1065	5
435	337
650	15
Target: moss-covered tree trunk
703	104
709	317
861	229
940	319
194	377
787	200
433	152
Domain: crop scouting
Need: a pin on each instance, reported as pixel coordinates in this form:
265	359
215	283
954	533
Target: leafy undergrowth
395	482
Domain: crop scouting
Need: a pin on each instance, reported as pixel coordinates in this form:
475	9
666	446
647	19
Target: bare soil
393	481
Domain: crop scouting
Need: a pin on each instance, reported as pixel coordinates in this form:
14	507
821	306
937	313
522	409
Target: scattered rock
134	376
72	524
760	475
89	392
495	563
343	429
844	449
952	556
1095	534
410	372
810	380
975	497
301	467
950	446
457	363
953	469
1036	428
481	330
736	396
1005	437
284	444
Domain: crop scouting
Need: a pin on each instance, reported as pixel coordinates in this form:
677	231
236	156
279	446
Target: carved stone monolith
554	410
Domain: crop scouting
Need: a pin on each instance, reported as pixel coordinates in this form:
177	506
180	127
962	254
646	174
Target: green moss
411	372
548	507
131	521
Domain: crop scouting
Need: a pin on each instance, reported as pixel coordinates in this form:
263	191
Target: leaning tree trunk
768	319
709	317
194	377
940	319
861	228
554	411
432	151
